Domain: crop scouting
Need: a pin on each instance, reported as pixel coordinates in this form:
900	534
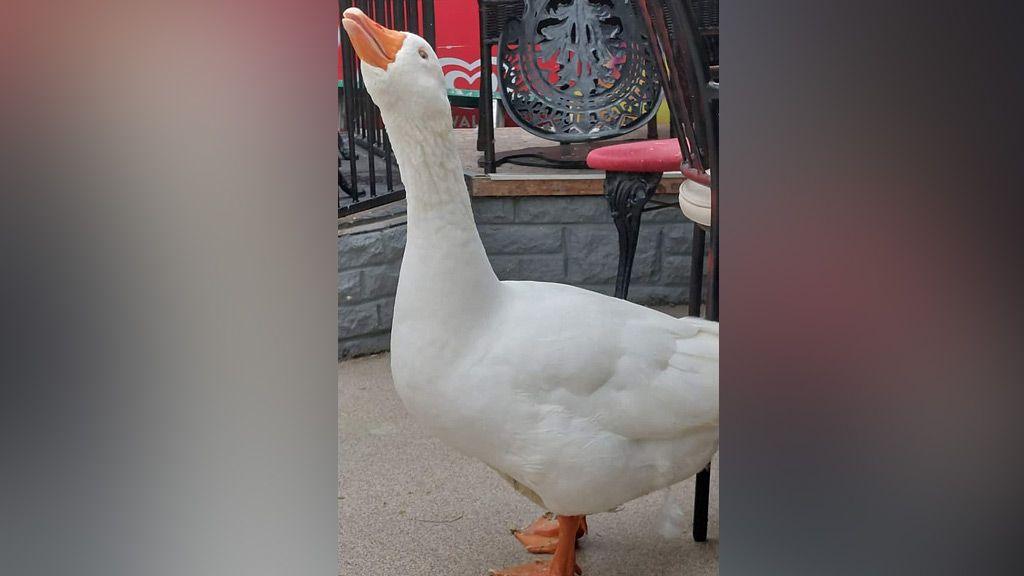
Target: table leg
696	271
627	193
702	490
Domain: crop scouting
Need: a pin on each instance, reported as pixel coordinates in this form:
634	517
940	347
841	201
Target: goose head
400	71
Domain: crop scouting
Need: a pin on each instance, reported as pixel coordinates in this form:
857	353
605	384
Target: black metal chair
684	36
571	72
632	173
494	15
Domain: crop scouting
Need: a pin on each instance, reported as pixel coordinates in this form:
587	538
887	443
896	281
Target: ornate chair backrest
578	70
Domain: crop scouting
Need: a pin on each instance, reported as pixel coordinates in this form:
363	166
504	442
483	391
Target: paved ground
410	506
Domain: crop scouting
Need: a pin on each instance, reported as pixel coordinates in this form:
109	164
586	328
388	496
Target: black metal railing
367	172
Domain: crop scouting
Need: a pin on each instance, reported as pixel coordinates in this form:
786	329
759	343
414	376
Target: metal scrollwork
575	70
627	194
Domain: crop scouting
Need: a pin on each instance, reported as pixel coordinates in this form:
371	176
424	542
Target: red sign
458	49
457	45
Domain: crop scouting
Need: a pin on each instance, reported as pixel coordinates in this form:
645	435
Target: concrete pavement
410	506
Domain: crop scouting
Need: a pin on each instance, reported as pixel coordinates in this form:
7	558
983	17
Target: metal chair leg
481	135
696	272
701	498
702	490
627	193
485	122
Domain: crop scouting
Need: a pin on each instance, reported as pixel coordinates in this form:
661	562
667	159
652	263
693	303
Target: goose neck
442	239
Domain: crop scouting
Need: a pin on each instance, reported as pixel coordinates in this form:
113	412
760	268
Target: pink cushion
643	156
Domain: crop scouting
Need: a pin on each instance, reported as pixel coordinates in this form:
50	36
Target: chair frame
562	153
692	97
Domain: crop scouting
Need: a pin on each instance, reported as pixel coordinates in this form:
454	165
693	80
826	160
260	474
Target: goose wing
631	370
664	382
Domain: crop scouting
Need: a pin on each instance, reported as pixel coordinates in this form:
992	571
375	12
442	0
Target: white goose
582	401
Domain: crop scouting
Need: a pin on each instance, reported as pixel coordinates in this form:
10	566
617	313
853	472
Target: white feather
673	519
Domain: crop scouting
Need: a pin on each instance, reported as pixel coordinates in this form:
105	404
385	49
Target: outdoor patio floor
410	506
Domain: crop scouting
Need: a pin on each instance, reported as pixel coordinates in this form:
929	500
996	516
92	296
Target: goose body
582	401
586	401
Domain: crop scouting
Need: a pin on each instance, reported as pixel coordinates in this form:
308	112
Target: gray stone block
363	345
381	281
393	241
645	294
562	209
494	210
521	239
675	270
593	255
386	313
606	289
670	214
653	295
355	250
357	319
677	238
350	285
541	267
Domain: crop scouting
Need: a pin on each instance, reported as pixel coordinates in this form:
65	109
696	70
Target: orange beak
373	43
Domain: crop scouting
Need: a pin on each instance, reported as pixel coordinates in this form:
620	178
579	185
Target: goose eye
423	53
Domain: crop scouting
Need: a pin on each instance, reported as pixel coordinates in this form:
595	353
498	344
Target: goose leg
564	561
541	536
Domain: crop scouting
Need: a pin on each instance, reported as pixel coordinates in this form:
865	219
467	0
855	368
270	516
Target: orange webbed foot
564	561
537	544
545	525
541	536
535	568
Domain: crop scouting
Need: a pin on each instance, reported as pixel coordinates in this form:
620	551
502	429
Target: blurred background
169	329
170	290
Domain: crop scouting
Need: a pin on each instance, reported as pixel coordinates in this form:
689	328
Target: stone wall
554	239
368	265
